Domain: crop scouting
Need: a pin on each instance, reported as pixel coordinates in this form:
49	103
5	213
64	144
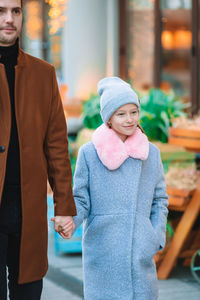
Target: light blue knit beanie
114	92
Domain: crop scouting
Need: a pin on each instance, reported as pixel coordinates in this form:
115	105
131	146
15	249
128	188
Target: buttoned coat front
43	153
124	212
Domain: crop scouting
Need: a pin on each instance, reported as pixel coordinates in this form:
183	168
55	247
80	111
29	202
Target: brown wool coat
43	153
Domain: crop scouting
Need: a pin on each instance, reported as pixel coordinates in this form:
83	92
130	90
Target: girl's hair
139	126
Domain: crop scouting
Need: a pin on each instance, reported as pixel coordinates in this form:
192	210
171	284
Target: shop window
176	43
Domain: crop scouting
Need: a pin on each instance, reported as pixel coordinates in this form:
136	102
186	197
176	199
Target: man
33	146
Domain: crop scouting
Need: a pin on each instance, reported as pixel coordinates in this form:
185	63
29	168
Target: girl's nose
129	118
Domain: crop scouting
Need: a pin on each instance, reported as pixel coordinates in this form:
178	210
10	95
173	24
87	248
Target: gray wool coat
124	213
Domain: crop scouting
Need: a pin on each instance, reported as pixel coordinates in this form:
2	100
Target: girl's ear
139	126
109	124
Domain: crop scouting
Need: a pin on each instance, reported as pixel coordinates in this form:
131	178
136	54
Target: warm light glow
63	92
178	39
167	39
34	21
182	39
55	41
57	14
86	83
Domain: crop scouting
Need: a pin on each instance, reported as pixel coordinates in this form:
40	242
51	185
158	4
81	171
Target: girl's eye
134	112
120	114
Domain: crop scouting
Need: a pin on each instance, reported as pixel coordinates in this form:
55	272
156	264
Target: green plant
157	111
169	229
71	155
91	112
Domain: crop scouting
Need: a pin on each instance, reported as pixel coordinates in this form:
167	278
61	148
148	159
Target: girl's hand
67	230
64	226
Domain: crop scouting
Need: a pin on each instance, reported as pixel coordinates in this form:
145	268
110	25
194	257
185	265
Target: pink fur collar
113	152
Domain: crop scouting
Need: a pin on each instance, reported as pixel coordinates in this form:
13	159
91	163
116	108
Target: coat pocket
146	242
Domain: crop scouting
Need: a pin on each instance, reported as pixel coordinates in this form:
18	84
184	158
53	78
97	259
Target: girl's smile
124	121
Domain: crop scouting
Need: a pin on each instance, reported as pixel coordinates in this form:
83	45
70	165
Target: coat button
2	149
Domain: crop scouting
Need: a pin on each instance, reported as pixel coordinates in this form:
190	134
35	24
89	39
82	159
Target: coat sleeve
57	156
159	209
81	189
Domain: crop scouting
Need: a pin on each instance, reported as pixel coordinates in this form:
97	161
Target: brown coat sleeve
57	155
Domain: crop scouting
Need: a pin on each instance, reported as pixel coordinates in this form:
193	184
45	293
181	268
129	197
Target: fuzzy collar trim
112	151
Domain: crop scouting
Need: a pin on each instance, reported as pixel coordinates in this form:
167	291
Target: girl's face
124	121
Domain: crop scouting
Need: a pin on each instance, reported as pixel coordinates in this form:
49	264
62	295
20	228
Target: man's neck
9	52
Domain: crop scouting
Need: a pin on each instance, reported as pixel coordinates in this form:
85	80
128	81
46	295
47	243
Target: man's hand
64	226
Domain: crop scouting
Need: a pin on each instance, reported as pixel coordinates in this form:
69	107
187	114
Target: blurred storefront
148	42
159	45
80	38
42	30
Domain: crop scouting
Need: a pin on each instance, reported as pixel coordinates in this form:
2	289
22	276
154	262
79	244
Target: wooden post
123	39
181	233
157	44
195	58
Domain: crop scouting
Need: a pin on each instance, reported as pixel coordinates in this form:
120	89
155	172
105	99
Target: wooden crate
174	155
188	138
179	245
179	198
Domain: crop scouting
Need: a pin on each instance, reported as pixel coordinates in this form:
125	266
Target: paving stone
52	291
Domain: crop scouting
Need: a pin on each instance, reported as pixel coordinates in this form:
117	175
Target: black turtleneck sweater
8	57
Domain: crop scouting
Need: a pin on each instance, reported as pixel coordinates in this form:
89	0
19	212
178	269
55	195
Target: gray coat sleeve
159	209
81	189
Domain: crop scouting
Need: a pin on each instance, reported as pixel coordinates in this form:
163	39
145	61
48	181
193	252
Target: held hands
64	226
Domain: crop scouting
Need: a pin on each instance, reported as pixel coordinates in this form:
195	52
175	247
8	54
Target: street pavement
52	291
64	279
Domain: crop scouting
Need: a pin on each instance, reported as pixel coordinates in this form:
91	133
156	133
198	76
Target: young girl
120	195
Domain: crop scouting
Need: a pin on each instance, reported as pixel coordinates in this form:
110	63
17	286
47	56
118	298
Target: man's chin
7	41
